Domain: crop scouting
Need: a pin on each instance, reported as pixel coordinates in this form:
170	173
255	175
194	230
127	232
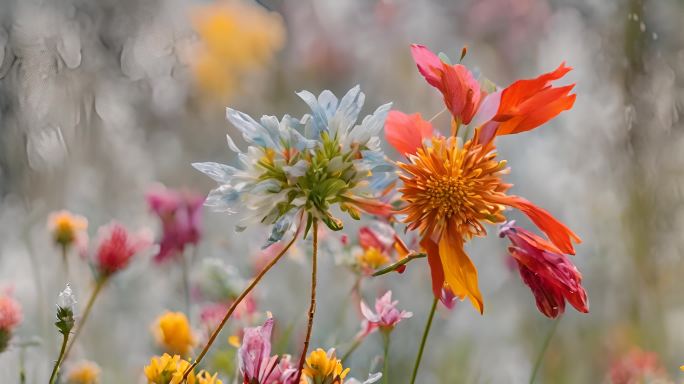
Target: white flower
67	299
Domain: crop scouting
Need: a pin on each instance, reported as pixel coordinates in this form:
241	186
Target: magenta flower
549	273
116	248
181	215
385	317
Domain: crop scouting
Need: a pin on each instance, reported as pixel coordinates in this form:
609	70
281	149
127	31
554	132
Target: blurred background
100	100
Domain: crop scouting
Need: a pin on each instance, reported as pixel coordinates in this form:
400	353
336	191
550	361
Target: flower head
66	310
549	273
181	215
451	187
324	367
10	317
66	299
84	372
300	169
256	363
386	315
638	366
116	248
168	369
173	333
67	229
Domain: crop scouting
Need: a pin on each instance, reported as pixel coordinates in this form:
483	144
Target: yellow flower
372	258
324	367
205	377
235	37
173	333
66	227
85	372
168	370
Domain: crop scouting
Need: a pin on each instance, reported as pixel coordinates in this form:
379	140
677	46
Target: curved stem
355	344
542	352
385	358
424	340
312	304
62	355
186	283
395	266
65	259
86	313
234	305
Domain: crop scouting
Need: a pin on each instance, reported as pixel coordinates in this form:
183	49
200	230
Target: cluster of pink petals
638	366
181	215
257	366
10	313
385	317
116	247
550	274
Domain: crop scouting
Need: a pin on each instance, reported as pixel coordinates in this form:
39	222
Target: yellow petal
459	271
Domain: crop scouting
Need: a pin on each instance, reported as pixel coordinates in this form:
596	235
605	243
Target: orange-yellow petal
459	271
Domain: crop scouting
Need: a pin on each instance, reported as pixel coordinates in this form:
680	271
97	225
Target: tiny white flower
67	299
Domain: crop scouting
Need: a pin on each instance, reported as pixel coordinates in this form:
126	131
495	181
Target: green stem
312	303
424	340
65	259
542	352
385	358
234	305
58	362
186	283
404	261
355	344
86	313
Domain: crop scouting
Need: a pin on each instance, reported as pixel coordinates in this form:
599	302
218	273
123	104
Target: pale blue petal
231	144
280	228
222	173
252	131
319	122
223	199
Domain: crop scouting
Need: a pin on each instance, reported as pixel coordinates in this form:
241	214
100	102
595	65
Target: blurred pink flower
181	215
116	247
546	270
385	317
10	313
637	366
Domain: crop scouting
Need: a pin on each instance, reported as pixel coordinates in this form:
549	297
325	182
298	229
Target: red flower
549	273
461	92
116	248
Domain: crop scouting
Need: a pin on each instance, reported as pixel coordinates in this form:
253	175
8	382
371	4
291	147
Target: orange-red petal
436	270
527	104
559	234
406	132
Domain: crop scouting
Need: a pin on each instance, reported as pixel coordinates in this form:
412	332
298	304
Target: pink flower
549	273
10	313
256	363
116	248
637	366
406	132
181	215
385	317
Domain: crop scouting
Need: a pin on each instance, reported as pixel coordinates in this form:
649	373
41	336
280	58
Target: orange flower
527	104
461	92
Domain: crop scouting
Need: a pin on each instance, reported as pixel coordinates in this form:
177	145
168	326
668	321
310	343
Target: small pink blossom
116	248
181	215
10	313
385	317
256	363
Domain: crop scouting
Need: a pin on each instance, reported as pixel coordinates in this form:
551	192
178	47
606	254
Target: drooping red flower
116	248
550	274
461	91
181	215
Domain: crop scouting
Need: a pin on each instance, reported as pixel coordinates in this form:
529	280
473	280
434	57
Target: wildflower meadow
341	192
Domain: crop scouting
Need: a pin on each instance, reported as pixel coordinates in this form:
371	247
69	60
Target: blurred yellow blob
205	377
236	38
372	258
173	333
85	372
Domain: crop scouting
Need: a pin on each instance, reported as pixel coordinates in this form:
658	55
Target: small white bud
67	299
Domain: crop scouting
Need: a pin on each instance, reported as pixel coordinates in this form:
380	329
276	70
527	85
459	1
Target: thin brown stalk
312	304
234	305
